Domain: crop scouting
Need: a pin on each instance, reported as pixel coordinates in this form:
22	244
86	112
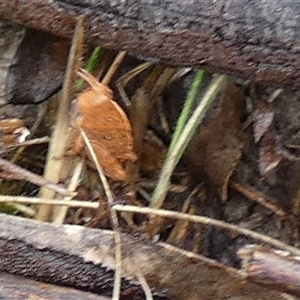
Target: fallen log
13	287
258	40
83	258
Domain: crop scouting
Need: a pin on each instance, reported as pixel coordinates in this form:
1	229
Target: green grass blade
90	65
186	111
191	126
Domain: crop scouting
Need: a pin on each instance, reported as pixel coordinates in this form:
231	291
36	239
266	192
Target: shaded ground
245	151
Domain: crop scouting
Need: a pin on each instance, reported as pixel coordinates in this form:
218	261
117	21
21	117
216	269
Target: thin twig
23	174
257	197
124	80
114	66
46	201
157	212
208	221
143	282
114	220
37	141
163	80
60	214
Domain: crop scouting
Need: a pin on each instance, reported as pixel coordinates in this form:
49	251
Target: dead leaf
216	148
269	156
263	117
152	157
106	126
271	150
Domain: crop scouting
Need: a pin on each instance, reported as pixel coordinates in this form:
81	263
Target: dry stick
58	142
45	201
141	278
114	220
158	212
112	70
162	81
124	80
170	79
257	197
23	174
207	221
60	214
37	141
178	225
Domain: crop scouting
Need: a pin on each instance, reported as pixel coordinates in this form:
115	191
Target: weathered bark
271	268
14	287
83	258
253	39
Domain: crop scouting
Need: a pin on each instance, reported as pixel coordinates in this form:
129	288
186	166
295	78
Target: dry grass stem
58	144
143	282
23	174
257	197
60	214
208	221
114	219
37	141
157	212
124	80
164	79
45	201
113	68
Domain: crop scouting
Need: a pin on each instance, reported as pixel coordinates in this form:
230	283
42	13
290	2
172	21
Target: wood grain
259	40
83	258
